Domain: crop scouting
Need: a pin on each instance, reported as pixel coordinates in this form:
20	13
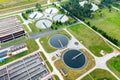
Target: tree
39	9
110	8
25	16
81	12
29	11
38	5
59	0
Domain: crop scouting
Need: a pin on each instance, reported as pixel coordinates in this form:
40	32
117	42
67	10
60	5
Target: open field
90	39
114	65
99	74
73	74
14	1
31	45
44	41
109	22
13	5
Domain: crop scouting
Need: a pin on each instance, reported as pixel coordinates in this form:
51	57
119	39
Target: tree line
108	3
113	40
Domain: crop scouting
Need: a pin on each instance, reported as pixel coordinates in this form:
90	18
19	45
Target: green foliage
25	16
19	18
49	65
43	56
34	28
56	77
38	5
77	10
114	65
29	11
31	45
108	3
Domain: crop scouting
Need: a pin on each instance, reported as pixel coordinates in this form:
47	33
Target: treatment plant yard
58	43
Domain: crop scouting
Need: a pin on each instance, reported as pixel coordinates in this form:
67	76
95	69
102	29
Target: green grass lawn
44	41
99	74
56	77
26	29
19	18
74	74
43	56
114	65
90	39
31	45
49	65
110	22
34	28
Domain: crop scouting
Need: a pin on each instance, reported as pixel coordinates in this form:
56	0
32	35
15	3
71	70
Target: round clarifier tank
35	15
74	59
43	24
51	10
60	18
58	41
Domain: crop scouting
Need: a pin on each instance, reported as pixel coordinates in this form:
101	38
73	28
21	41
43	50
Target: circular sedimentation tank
43	24
35	15
74	59
60	18
58	41
51	10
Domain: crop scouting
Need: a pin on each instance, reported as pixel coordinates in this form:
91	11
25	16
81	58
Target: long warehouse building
10	28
